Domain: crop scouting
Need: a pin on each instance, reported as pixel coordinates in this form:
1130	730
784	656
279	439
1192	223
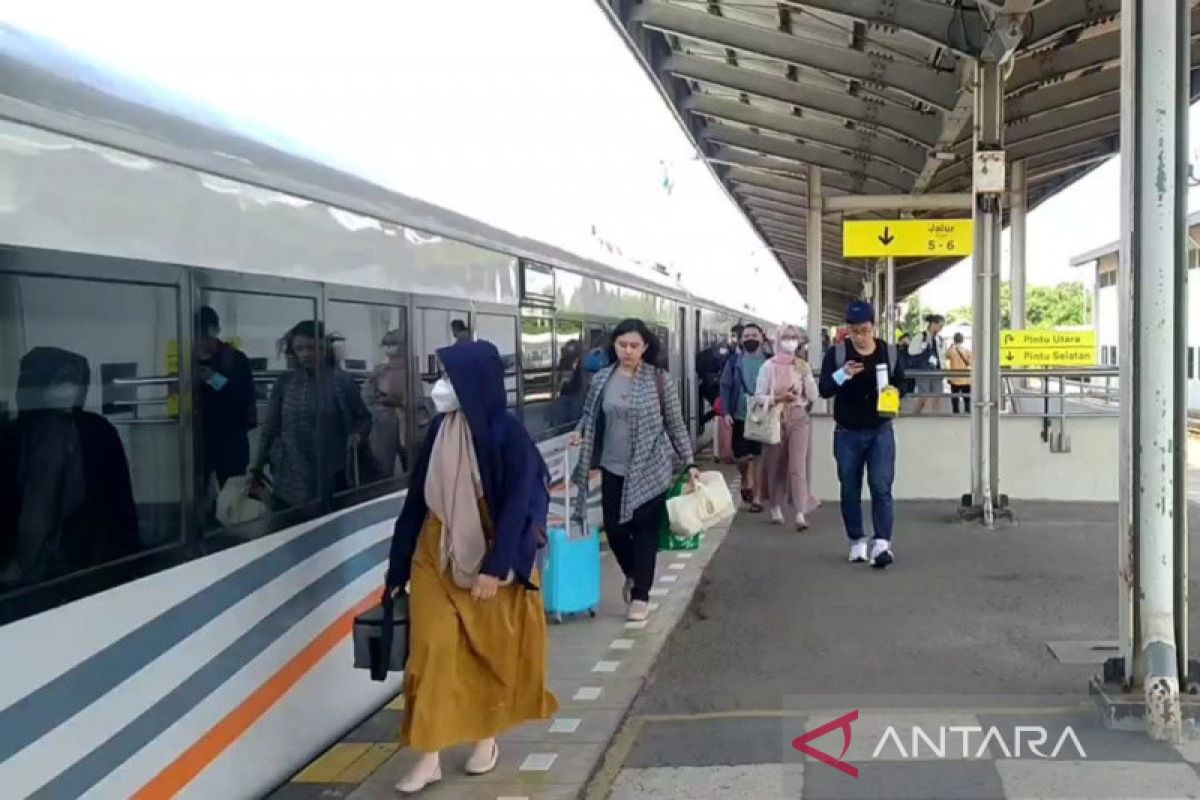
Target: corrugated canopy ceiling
878	94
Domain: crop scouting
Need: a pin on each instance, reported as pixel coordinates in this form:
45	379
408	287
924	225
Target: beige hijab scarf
452	492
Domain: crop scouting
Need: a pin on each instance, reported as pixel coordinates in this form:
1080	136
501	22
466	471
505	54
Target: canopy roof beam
865	175
920	82
911	124
839	138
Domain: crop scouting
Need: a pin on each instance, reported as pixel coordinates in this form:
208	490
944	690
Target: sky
532	116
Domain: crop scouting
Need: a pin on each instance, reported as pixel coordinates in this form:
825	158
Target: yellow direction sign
879	238
1026	348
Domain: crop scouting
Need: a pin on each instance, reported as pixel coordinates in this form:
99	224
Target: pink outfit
786	466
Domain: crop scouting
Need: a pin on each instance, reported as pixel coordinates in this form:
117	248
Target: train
190	657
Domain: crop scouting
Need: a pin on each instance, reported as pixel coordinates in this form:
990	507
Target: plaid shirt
659	449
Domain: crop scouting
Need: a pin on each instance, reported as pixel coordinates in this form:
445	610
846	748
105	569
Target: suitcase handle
567	489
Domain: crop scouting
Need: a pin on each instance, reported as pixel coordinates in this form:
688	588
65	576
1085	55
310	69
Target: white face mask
444	398
61	396
789	345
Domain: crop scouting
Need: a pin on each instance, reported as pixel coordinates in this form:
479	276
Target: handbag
381	637
667	540
764	421
705	504
235	506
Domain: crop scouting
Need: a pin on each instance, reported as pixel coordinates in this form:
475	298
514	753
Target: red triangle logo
801	743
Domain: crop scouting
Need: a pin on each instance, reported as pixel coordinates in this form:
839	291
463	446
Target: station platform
765	634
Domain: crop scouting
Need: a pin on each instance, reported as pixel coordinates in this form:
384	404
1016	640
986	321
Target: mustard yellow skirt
475	667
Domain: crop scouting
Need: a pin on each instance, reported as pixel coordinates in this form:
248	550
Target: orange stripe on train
184	769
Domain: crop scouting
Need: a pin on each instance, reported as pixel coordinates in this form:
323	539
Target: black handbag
381	637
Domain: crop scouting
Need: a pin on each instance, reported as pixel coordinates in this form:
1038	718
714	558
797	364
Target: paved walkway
597	667
774	636
786	638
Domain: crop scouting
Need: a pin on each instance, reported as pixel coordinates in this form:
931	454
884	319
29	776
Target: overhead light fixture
944	155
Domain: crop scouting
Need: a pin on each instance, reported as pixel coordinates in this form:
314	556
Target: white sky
532	116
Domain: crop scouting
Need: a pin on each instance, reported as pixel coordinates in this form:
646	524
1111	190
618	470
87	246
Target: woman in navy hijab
466	543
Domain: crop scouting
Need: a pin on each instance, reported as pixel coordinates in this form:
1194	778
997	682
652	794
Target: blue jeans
875	450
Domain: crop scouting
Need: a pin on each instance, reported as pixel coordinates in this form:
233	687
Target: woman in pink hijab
788	380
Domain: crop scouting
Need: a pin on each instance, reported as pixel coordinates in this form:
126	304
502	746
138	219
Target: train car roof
51	87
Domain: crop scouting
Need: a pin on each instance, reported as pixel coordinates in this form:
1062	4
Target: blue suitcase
571	570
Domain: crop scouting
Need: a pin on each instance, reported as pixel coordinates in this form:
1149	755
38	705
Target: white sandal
479	766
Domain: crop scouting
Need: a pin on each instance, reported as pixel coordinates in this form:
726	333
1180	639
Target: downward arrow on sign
887	237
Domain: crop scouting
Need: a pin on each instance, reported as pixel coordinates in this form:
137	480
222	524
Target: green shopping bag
668	540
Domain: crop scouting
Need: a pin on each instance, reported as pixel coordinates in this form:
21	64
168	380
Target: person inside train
787	381
710	362
571	383
226	402
466	544
738	382
384	394
462	334
632	429
66	496
298	425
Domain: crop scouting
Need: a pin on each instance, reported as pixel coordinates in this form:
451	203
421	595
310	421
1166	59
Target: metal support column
985	500
890	299
815	256
1153	510
1018	204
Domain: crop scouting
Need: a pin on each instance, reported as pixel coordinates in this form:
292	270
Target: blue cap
859	312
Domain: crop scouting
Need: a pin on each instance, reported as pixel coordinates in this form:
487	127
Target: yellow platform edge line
332	762
364	767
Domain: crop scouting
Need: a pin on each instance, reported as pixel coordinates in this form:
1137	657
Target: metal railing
1063	392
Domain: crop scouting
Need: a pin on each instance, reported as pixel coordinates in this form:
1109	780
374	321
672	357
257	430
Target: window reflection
375	357
86	477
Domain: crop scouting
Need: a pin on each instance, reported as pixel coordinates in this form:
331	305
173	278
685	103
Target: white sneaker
801	522
777	515
639	610
881	554
858	552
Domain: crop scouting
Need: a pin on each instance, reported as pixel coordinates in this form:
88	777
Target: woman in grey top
311	411
633	430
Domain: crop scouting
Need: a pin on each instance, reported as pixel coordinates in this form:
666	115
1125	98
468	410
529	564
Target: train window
370	382
664	345
501	330
90	440
569	381
537	284
255	407
537	373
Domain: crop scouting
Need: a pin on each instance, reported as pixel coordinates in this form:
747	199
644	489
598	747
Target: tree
913	316
1045	306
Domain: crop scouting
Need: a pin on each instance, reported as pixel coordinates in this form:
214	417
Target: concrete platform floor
784	635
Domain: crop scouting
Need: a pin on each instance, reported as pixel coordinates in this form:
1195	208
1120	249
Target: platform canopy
878	93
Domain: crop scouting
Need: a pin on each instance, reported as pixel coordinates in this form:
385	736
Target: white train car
175	656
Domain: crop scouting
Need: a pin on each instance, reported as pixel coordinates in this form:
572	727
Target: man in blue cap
854	373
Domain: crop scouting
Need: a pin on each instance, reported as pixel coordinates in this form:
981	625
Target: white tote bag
235	506
764	421
703	505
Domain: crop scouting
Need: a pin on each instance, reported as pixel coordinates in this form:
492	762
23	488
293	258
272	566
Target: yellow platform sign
879	238
1032	348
